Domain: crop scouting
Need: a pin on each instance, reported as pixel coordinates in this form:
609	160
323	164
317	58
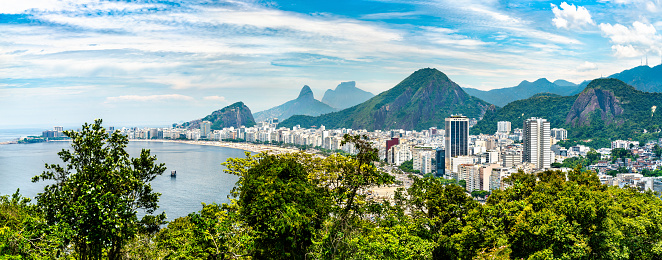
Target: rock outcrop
235	115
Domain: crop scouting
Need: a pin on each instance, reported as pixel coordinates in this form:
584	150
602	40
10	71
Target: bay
200	177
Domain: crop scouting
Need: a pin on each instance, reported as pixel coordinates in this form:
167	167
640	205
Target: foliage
592	157
283	222
594	143
480	194
24	233
620	153
96	195
408	166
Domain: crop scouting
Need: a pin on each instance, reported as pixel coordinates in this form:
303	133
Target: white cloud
587	66
626	51
150	98
215	99
570	16
449	37
633	41
28	6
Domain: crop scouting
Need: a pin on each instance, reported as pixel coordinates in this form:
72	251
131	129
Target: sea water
200	177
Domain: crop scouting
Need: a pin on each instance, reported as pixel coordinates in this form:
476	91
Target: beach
249	147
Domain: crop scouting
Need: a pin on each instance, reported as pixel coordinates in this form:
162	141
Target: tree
97	194
283	206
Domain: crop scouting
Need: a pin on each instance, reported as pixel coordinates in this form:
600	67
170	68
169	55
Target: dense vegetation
234	115
606	122
296	206
408	166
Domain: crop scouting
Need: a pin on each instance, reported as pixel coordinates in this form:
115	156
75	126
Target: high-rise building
456	137
441	162
536	143
205	129
503	127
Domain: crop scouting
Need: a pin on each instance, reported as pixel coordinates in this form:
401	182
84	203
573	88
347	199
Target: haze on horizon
146	62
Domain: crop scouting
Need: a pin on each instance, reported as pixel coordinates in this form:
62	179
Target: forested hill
606	108
422	100
234	115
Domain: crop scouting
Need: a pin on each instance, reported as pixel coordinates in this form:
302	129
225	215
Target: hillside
422	100
345	95
234	115
606	108
304	104
642	78
525	89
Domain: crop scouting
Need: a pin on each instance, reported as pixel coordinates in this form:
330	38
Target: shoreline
249	147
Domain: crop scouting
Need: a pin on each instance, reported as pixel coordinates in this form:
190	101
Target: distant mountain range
525	89
606	108
643	78
422	100
234	115
305	104
346	95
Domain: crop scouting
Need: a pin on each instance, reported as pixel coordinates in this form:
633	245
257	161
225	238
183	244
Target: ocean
200	177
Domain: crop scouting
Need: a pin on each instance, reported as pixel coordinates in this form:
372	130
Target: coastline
249	147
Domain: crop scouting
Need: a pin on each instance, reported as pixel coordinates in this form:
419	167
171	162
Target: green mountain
346	95
643	78
422	100
305	104
525	89
606	108
234	115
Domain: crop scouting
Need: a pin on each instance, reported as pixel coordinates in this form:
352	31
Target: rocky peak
591	100
306	93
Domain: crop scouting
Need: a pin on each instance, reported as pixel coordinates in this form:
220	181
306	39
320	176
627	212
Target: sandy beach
256	148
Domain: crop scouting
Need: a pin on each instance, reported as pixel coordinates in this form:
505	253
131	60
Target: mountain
234	115
606	108
422	100
564	83
305	104
643	78
346	95
525	89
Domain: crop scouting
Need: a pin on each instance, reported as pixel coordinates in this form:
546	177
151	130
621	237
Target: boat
173	174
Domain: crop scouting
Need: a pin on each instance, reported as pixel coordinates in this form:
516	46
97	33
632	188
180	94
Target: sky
158	62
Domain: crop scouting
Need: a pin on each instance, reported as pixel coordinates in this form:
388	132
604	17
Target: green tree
97	194
283	207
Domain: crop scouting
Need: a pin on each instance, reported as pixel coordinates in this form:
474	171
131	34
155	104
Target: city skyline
65	62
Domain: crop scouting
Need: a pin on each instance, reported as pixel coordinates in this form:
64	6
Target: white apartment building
536	141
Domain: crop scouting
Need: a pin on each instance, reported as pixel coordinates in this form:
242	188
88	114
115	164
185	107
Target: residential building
536	143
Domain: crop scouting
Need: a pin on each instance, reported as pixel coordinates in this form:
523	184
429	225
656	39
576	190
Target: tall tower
456	137
205	129
536	140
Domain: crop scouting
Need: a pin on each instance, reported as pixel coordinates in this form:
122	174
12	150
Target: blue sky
153	62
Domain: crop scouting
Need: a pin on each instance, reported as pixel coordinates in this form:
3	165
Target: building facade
536	140
456	137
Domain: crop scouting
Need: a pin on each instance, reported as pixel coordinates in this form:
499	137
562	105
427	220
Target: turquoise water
200	176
